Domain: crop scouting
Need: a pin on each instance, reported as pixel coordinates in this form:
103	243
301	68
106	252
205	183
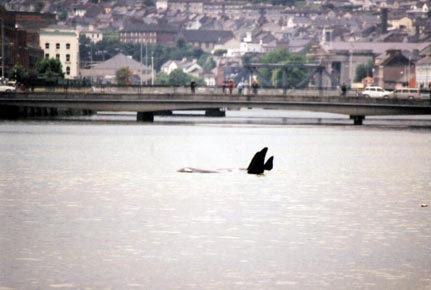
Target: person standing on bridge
193	86
343	89
240	87
231	85
254	86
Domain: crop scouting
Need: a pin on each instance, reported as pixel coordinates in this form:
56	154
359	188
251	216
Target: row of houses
340	57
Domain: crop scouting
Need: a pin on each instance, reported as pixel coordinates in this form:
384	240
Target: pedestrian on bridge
254	86
231	85
343	89
240	87
193	86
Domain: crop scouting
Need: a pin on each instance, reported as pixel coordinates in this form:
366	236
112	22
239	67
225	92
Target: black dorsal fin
269	163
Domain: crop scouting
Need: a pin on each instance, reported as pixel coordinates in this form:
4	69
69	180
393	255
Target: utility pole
146	61
152	70
2	49
140	75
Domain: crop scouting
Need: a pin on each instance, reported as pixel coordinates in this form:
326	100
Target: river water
100	205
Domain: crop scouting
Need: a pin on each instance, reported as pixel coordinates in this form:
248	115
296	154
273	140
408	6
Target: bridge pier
357	120
9	113
215	113
145	117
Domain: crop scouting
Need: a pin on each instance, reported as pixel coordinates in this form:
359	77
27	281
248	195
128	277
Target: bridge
149	101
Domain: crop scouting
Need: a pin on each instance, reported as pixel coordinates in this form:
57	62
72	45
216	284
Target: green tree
123	76
18	73
363	71
209	64
179	78
220	52
176	78
62	16
295	73
162	79
50	69
149	3
181	43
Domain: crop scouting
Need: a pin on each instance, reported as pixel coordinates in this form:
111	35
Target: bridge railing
163	90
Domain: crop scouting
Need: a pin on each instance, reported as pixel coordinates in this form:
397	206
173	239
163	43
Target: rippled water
102	206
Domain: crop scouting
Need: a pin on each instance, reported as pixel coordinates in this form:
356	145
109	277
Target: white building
93	34
62	44
189	67
162	4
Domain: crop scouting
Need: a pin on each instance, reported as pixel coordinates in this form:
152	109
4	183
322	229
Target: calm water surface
101	206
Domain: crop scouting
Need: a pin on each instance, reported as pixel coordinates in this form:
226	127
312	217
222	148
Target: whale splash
257	165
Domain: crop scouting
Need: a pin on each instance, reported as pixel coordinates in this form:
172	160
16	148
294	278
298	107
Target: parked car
410	93
7	89
375	92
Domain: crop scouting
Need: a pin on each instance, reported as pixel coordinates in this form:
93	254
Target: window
57	56
67	45
57	45
46	55
67	57
68	70
47	45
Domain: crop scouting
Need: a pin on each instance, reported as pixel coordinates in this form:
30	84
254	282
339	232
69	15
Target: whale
257	165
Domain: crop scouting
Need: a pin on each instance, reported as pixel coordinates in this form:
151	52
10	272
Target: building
18	46
395	70
93	34
207	39
189	67
423	69
342	59
154	34
105	72
62	44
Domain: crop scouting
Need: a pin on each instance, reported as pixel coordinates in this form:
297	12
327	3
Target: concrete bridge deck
153	100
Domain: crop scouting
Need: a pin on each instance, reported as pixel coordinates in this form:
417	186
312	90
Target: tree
295	74
18	73
176	78
363	71
123	76
209	64
181	43
162	79
62	16
50	69
179	78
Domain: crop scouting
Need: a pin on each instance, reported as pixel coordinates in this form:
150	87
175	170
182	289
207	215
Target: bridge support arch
145	117
358	119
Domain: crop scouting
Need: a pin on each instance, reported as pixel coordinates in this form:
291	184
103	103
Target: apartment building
62	44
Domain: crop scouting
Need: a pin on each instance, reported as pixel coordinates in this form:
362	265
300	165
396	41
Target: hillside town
391	38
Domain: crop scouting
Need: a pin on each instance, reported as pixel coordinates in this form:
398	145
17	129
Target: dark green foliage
295	74
123	76
62	16
18	73
50	69
209	64
176	78
220	52
363	71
